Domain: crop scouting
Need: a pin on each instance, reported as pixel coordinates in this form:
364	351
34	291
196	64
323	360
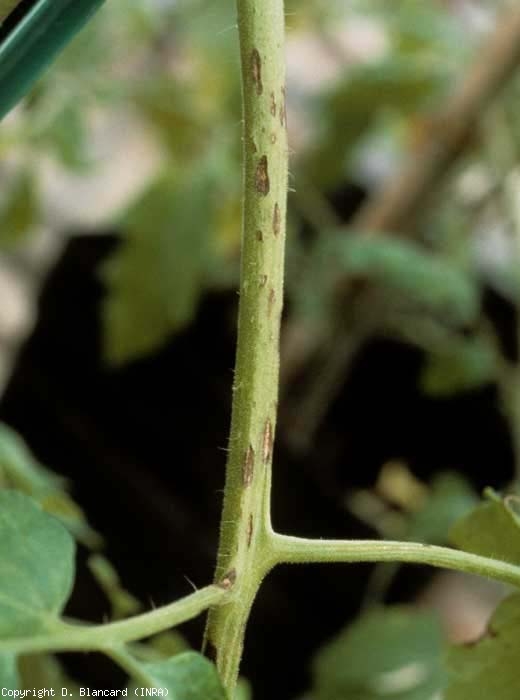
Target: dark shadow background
144	449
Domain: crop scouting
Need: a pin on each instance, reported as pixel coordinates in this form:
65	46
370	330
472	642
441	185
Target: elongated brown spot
262	177
248	468
273	138
267	441
259	236
276	219
283	109
273	105
256	71
249	531
229	580
263	280
270	302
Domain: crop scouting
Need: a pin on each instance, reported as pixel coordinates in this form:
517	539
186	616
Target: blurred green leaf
423	29
172	109
19	209
492	529
8	673
424	282
389	652
450	498
20	470
351	110
187	676
66	136
488	668
155	279
467	364
161	646
37	564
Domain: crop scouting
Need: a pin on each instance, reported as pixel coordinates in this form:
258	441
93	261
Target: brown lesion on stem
228	580
271	301
283	109
248	468
277	220
267	441
256	71
262	184
249	532
273	105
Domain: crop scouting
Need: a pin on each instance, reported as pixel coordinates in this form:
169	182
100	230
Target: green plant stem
245	522
296	550
68	637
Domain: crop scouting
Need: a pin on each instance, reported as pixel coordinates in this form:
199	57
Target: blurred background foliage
136	130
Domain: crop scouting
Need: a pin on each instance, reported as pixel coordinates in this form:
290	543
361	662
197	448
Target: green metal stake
33	34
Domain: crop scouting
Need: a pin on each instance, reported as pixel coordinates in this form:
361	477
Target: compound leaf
390	652
36	566
488	668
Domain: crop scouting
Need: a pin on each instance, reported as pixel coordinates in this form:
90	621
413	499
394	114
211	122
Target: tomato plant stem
245	519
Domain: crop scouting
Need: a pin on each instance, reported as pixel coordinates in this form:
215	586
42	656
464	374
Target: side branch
296	550
69	637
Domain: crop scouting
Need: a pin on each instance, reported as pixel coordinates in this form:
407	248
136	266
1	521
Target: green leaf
356	105
20	470
421	280
491	530
466	365
36	566
450	498
156	277
390	652
187	676
19	210
8	672
66	136
488	669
